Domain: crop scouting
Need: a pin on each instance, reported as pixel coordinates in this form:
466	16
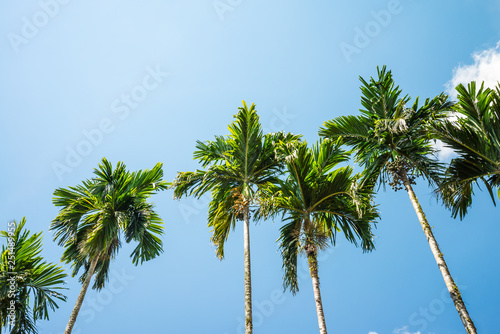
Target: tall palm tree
318	201
237	166
392	144
29	286
96	215
474	134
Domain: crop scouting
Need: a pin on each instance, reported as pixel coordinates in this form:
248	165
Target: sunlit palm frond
389	130
37	283
237	167
96	213
474	136
290	247
317	201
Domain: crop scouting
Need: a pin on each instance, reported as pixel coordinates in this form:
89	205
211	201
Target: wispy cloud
372	333
486	67
404	330
444	153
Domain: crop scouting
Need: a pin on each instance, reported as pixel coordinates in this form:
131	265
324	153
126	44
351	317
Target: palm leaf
37	282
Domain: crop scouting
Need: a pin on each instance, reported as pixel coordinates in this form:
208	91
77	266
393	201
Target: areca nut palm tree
96	215
317	201
392	143
29	285
237	165
473	133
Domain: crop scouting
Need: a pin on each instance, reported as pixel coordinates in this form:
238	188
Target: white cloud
404	330
372	333
486	67
444	153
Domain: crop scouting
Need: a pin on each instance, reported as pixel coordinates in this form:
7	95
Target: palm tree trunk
448	280
81	296
313	269
248	274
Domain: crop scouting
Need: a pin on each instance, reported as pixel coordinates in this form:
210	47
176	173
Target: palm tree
97	214
29	285
317	202
475	136
237	166
392	144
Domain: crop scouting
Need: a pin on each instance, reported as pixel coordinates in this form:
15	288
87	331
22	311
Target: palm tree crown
317	201
96	215
392	142
37	283
475	136
389	137
237	166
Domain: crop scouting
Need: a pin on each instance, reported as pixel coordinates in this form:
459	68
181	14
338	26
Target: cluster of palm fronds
29	286
251	175
473	132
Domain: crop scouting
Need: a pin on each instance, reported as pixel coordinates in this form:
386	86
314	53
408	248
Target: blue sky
140	82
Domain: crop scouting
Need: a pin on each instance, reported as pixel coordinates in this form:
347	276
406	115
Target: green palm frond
237	167
290	249
38	284
222	215
474	135
317	201
217	151
95	215
389	130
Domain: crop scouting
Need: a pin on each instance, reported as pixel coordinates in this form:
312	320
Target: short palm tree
96	215
237	166
391	142
29	285
317	202
474	134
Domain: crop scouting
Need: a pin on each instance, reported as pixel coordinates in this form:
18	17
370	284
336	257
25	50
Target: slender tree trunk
448	280
81	296
248	274
313	269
